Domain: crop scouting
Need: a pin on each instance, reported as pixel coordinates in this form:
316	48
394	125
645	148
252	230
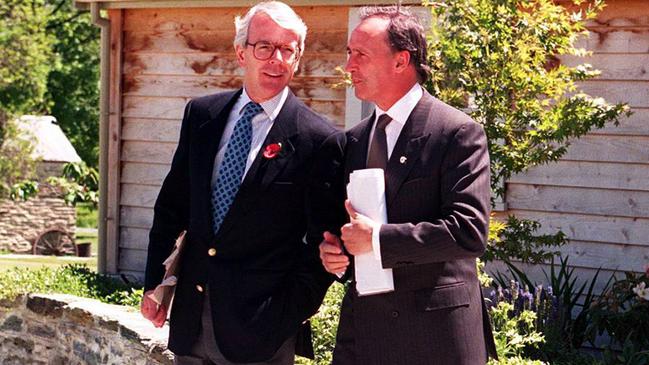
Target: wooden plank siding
173	55
598	194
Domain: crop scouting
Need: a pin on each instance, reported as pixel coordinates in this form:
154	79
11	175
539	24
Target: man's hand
357	234
155	313
332	256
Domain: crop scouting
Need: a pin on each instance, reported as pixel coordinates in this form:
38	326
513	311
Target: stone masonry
67	330
22	221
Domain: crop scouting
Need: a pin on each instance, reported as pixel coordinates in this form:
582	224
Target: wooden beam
114	142
143	4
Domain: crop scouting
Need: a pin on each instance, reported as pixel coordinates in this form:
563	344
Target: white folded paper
366	192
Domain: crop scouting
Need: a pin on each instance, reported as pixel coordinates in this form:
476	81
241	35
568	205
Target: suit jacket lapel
407	150
357	146
284	131
263	170
210	133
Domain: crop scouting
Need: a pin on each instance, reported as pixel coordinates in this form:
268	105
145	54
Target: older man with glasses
255	181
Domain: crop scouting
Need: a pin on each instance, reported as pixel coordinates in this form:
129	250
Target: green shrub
86	215
518	239
23	190
564	324
71	279
499	58
517	360
78	183
17	164
513	333
324	326
622	311
630	354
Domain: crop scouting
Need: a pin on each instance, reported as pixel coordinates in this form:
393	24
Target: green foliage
73	86
79	183
324	326
631	354
569	332
565	324
516	239
622	311
86	215
514	333
23	190
82	174
499	58
16	161
49	64
484	278
27	58
516	360
70	279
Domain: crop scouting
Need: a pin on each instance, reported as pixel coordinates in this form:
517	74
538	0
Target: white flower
642	291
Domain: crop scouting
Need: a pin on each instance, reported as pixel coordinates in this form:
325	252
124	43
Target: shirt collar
400	111
271	106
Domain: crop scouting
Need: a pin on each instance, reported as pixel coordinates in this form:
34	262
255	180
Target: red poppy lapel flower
272	150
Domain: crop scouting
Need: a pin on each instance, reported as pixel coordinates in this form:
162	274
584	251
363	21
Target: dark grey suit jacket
265	279
438	201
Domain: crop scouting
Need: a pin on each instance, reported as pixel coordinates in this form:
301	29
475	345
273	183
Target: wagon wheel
54	241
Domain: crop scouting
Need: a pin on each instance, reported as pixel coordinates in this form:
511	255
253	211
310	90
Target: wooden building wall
164	57
598	194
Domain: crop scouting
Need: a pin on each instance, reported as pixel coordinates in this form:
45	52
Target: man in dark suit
254	181
436	168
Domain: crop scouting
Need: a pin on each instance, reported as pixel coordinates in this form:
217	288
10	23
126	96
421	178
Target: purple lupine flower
528	300
538	291
507	295
501	294
515	287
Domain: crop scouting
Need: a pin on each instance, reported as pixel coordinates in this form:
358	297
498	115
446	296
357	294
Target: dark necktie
233	165
378	155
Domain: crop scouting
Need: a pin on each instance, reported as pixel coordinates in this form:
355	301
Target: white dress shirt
399	112
261	125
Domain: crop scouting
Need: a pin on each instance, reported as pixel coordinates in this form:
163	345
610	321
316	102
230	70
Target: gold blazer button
211	252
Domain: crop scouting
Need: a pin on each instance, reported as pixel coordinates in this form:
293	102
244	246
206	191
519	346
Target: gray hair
405	33
280	13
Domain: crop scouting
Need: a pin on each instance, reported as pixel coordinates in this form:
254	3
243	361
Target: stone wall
68	330
22	221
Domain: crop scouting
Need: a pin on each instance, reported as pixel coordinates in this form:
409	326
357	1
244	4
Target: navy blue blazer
266	278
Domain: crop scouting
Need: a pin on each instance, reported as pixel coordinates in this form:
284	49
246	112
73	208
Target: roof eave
135	4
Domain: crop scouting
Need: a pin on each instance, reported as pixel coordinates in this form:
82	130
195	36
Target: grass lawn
8	261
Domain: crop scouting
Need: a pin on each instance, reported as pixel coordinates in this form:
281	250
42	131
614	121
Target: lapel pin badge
403	159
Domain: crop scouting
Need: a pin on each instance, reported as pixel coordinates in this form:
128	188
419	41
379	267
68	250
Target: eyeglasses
264	50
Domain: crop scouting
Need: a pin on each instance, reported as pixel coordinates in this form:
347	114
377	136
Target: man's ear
296	65
402	59
239	52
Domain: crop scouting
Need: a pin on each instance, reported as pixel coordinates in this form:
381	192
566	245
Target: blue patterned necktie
233	165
